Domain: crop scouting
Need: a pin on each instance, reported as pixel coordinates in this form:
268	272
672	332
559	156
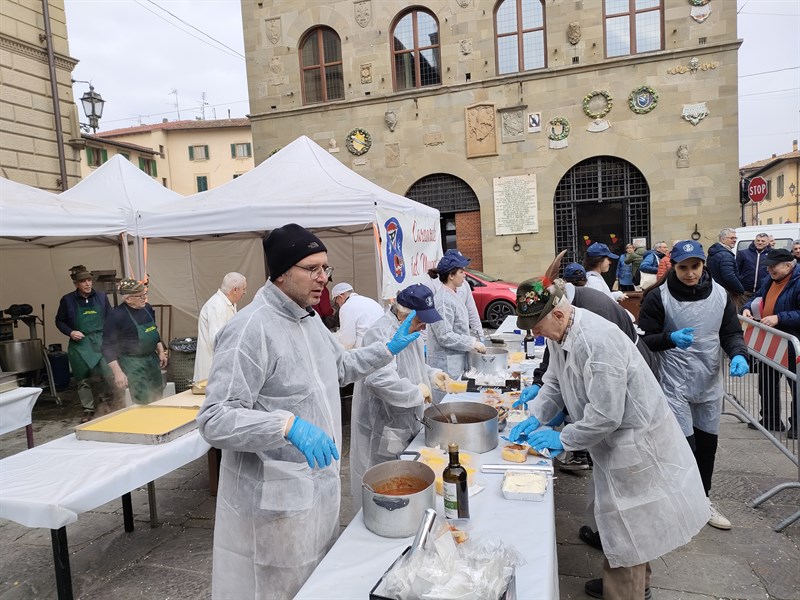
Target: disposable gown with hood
649	498
449	340
276	517
386	405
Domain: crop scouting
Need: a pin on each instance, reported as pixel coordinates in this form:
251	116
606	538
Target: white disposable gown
449	341
276	517
386	405
692	378
649	498
595	281
464	293
217	311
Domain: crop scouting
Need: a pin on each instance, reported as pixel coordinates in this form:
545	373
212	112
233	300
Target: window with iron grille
321	65
520	35
594	181
633	26
415	51
446	193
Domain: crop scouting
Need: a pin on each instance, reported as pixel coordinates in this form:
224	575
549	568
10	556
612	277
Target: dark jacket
650	262
787	306
68	309
751	267
120	334
721	264
652	316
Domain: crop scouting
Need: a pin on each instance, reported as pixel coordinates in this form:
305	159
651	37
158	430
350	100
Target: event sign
410	244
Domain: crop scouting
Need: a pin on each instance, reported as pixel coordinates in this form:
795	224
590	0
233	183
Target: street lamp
92	105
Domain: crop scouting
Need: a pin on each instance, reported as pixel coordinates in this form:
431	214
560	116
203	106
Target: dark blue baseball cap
452	259
598	249
419	297
687	249
574	272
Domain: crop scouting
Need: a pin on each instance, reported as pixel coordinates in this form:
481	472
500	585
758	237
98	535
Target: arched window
415	51
633	26
321	66
519	26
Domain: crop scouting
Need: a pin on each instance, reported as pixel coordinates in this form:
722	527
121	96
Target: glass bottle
530	343
456	493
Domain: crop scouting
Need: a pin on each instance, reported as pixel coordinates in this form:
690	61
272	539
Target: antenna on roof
175	93
203	105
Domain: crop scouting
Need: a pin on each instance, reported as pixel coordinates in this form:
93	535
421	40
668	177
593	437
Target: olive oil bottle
456	494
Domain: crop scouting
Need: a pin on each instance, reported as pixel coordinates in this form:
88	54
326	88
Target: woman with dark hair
598	261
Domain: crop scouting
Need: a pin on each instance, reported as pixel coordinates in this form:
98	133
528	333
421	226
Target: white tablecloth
359	557
50	485
15	408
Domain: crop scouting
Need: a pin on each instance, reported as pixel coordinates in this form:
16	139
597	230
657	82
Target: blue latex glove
528	394
739	366
522	430
313	443
682	338
557	420
546	438
401	337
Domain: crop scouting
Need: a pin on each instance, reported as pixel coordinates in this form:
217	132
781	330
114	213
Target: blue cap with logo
687	249
598	249
419	297
574	272
452	259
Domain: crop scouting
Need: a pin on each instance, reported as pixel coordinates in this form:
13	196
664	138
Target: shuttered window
198	152
202	183
241	150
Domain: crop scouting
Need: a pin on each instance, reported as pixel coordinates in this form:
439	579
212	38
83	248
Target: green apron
142	369
86	355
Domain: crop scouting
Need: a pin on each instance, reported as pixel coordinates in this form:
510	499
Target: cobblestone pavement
173	561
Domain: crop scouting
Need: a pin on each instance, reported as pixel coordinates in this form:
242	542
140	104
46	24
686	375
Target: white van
784	235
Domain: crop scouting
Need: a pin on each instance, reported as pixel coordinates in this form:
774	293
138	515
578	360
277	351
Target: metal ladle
451	419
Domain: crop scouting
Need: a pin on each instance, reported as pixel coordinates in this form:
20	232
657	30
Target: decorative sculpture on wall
643	99
597	104
363	12
273	30
574	32
481	130
700	10
513	124
694	66
694	113
332	147
390	118
358	141
557	132
683	156
366	73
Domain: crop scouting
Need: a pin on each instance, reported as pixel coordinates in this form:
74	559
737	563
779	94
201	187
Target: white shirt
357	314
214	314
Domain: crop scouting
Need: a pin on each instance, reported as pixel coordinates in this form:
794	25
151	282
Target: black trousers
769	388
704	448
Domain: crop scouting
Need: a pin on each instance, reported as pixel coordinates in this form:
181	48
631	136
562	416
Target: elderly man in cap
777	304
218	310
81	315
649	498
272	403
357	313
388	404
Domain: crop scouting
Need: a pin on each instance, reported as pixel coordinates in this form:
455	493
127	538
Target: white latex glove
479	347
426	393
440	381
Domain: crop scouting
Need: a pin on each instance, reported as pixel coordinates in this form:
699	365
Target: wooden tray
141	424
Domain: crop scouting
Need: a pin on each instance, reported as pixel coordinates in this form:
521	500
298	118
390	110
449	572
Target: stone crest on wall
481	130
463	3
273	30
363	11
390	118
574	32
366	73
276	71
683	156
512	123
694	113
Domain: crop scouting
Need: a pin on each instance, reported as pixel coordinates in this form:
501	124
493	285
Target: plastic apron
692	378
85	355
142	369
449	340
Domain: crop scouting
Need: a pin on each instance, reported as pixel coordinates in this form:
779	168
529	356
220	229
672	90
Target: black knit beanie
288	245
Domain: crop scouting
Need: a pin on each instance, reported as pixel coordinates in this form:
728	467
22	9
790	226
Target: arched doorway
459	209
601	199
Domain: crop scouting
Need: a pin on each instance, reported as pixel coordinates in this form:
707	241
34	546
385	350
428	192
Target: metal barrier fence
766	399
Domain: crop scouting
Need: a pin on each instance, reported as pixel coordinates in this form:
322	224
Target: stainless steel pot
21	355
396	516
494	361
475	431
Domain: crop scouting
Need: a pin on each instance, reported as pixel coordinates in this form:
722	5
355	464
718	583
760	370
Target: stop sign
757	190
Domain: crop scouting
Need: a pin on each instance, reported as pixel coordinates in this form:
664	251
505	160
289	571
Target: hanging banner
410	244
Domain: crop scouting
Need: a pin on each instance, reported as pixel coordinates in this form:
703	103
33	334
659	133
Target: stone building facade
532	126
28	144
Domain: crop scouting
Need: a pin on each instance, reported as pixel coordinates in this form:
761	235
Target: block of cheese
524	485
437	460
515	453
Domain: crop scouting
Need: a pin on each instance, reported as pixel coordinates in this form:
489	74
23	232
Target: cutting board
140	424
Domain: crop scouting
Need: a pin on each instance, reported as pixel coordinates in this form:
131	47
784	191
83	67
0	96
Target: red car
495	299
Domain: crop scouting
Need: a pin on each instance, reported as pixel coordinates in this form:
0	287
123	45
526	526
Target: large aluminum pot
413	490
475	430
495	361
21	355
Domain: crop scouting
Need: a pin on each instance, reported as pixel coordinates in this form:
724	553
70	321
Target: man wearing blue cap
388	403
598	261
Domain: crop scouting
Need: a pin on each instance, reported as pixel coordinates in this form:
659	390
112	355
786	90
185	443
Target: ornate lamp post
93	107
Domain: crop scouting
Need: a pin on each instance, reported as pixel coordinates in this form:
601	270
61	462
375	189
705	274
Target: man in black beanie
272	402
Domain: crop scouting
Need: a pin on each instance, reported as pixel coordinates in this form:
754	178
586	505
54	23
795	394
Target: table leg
61	562
214	459
151	500
29	435
127	512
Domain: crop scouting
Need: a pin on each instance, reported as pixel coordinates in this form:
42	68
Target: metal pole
51	63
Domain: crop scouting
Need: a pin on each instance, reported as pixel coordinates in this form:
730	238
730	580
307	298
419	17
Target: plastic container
521	485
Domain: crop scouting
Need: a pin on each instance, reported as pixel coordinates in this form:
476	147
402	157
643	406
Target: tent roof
32	214
302	183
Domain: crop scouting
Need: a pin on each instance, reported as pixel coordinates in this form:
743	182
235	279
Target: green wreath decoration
639	108
358	141
699	2
556	137
597	114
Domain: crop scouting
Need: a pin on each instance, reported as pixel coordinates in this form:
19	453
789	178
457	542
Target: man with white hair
215	313
356	314
721	262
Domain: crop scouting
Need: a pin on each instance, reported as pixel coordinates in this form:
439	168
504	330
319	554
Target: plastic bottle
530	344
456	492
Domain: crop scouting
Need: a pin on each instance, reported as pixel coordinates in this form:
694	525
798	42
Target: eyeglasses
315	272
139	296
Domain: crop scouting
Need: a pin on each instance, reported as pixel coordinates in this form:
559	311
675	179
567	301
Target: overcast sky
136	54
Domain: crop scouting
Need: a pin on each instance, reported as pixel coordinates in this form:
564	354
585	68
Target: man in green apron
132	345
81	316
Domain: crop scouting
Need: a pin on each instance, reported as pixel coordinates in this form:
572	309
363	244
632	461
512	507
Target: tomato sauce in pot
400	486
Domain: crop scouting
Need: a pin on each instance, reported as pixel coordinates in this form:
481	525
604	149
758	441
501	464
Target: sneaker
575	461
717	519
594	588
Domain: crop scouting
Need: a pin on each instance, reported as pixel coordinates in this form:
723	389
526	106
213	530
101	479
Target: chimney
794	145
164	120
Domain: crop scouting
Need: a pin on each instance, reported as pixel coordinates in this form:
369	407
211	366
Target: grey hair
232	280
795	242
725	233
766	235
